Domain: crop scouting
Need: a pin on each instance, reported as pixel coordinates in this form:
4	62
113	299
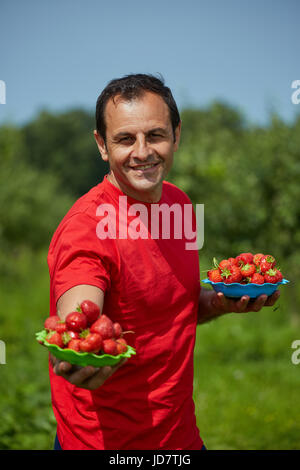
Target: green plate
82	358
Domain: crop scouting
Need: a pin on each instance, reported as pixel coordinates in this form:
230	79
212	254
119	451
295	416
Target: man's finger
98	379
230	305
88	377
272	299
258	303
220	301
241	304
62	367
82	375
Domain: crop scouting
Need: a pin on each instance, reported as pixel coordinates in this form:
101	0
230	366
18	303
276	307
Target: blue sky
60	54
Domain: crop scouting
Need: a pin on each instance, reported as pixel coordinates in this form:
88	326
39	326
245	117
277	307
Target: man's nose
142	149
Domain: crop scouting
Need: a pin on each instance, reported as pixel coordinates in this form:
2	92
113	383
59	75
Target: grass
246	389
27	420
246	386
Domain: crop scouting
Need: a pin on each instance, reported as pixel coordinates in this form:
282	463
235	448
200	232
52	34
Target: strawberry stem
66	337
84	333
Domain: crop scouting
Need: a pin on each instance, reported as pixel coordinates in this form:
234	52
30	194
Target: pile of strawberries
246	268
85	330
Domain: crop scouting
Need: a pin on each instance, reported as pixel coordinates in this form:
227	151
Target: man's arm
213	305
72	298
88	377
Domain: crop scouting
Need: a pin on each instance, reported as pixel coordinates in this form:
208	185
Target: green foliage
31	204
246	386
64	145
27	420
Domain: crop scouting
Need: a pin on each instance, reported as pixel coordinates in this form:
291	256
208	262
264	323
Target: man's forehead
148	107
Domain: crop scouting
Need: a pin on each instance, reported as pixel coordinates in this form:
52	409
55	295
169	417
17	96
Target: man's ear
177	136
101	146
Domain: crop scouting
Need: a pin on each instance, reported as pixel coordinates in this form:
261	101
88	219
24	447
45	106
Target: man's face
139	145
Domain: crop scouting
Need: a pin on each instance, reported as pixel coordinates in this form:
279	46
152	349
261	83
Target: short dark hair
131	87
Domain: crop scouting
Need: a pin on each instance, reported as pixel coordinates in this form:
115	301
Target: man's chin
145	190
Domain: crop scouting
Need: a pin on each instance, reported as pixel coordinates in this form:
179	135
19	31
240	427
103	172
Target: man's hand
88	377
213	304
223	304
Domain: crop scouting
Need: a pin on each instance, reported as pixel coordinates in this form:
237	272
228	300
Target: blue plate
236	290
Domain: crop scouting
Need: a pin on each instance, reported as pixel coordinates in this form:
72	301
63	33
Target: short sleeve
77	256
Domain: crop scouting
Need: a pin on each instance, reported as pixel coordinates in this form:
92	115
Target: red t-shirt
151	287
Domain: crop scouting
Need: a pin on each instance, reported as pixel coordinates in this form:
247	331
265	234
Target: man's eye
155	135
126	139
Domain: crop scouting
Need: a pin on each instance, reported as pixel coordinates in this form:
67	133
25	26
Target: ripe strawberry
74	344
90	310
118	330
55	338
225	263
274	275
257	278
68	336
232	261
51	322
73	334
267	262
91	343
121	341
257	259
214	275
271	276
61	327
232	274
76	321
121	345
104	326
248	270
110	347
244	258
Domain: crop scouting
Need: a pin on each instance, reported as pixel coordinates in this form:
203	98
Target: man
150	285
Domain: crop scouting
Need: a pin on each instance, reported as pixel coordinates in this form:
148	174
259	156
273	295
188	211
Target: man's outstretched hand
244	304
213	304
88	377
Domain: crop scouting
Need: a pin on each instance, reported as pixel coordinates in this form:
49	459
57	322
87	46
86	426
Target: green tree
31	205
64	144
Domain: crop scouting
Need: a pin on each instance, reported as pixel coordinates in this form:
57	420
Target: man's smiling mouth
144	167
